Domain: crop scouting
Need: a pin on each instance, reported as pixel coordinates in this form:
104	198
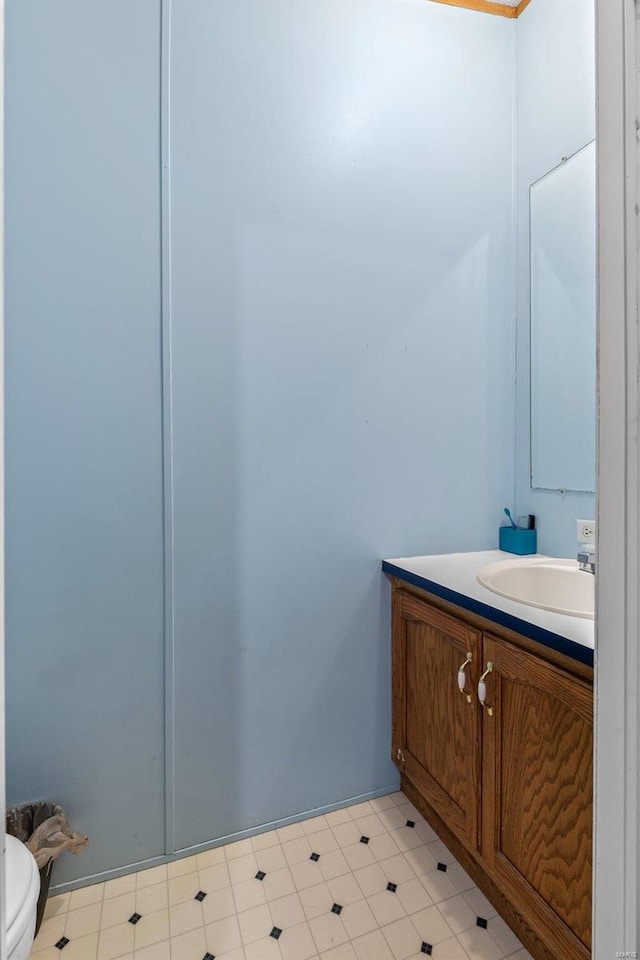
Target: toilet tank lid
23	879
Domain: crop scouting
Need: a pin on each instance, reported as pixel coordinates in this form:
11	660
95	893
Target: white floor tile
243	868
345	889
296	851
403	938
179	867
372	945
413	896
347	833
179	889
184	917
214	878
316	900
248	894
297	943
296	895
371	879
210	858
264	949
315	824
115	888
189	945
438	885
479	903
337	817
271	858
431	925
344	952
218	905
239	848
386	907
504	936
118	909
358	855
152	928
57	905
328	932
83	921
306	874
82	948
371	825
333	865
457	913
358	919
279	883
382	803
157	951
287	911
255	924
115	941
86	896
150	899
145	878
480	945
383	846
223	935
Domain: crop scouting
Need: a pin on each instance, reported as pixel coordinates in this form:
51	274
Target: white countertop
457	572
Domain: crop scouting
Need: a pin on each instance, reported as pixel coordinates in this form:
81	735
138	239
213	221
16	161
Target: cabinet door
436	729
537	793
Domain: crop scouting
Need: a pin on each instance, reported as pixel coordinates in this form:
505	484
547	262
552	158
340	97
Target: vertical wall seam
516	257
167	427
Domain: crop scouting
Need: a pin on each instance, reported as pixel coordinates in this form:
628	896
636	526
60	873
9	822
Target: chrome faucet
587	558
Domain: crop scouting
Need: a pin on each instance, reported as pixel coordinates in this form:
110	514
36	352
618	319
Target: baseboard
220	841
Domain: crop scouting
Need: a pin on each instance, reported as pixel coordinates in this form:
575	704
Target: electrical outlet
586	531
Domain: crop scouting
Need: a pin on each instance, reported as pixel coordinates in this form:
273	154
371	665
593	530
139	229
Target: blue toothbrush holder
518	540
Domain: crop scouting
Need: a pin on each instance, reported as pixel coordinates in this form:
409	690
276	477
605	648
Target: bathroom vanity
506	783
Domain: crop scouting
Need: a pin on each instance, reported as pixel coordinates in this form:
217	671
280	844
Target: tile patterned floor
370	882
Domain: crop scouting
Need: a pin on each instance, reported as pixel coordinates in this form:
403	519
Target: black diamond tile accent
481	922
62	942
392	887
336	908
260	875
275	933
426	948
364	839
315	857
208	956
411	823
200	895
442	867
134	918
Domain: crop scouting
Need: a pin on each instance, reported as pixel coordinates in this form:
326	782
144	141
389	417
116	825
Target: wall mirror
562	209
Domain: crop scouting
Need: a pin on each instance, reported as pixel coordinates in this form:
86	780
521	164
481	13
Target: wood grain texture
533	860
538	787
483	6
527	935
442	745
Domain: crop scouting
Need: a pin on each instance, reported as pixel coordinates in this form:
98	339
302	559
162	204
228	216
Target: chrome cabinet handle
482	689
462	677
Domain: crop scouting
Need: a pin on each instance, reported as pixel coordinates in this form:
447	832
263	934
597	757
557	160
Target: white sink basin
556	585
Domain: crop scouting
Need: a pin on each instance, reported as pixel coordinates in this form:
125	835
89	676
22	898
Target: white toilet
23	888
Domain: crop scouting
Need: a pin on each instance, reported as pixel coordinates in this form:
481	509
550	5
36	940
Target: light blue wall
555	117
84	624
340	347
342	297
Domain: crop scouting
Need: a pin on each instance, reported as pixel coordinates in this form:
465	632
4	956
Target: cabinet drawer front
439	728
537	788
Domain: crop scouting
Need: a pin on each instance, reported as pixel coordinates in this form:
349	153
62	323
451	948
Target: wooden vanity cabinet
429	648
509	786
